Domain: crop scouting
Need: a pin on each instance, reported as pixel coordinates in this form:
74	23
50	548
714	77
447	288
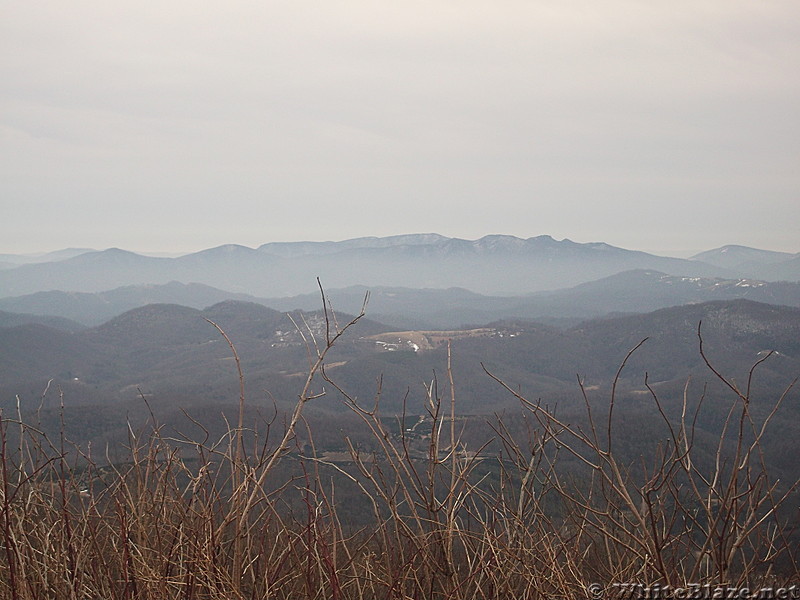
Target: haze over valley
107	327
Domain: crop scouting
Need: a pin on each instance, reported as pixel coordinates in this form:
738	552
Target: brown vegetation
219	518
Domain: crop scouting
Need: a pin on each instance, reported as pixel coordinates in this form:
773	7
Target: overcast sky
671	127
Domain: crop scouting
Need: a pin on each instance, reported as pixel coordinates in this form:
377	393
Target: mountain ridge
163	346
634	291
493	264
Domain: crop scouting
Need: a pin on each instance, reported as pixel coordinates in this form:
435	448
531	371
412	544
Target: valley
396	386
106	348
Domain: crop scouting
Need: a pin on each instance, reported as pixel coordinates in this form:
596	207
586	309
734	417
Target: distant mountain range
751	262
635	291
94	308
13	319
493	265
8	261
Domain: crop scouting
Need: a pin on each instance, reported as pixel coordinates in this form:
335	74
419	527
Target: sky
173	126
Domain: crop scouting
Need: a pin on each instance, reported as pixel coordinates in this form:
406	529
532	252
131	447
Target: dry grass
196	519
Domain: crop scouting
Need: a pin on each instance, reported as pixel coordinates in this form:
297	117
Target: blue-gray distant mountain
295	249
788	270
496	264
752	262
8	261
14	319
634	291
94	308
640	291
734	257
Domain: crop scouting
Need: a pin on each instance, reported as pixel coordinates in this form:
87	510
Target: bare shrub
204	518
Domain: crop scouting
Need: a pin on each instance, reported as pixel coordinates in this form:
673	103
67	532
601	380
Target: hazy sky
671	126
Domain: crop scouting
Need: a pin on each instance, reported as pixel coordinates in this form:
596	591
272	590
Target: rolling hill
628	292
171	347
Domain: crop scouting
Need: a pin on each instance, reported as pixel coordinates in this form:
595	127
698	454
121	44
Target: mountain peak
225	249
114	255
736	257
